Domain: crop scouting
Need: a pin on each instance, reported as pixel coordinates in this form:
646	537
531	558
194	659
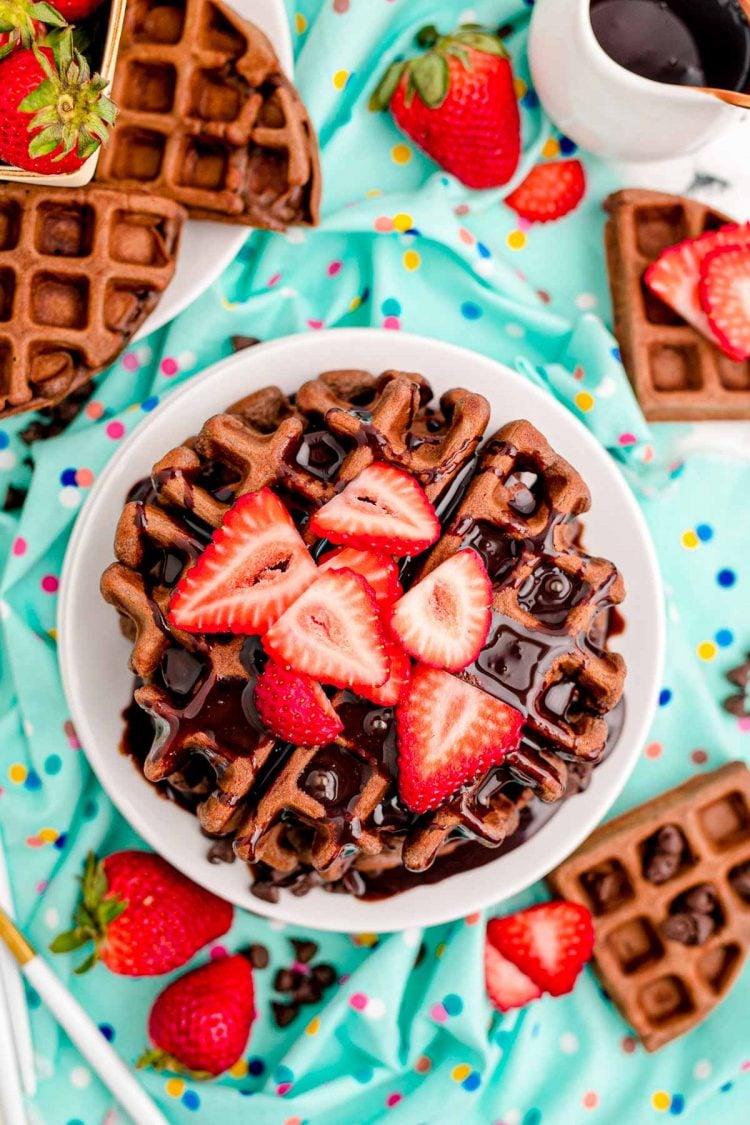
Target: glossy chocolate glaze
510	667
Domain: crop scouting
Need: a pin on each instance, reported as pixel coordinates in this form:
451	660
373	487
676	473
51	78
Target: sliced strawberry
549	191
724	291
379	570
444	620
295	707
254	567
507	986
675	275
389	693
332	633
449	732
383	509
550	942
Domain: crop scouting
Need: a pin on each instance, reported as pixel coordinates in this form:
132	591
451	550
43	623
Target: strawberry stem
92	916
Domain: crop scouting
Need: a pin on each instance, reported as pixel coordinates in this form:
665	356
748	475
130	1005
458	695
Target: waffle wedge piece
80	270
676	372
207	118
668	884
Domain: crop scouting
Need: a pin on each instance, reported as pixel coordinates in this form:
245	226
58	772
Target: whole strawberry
53	113
201	1022
143	917
458	103
77	10
22	22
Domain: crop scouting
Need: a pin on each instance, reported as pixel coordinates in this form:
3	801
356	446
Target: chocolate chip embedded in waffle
540	655
207	118
80	270
668	884
676	372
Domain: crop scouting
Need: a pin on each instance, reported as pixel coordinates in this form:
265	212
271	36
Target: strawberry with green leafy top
53	113
458	103
22	22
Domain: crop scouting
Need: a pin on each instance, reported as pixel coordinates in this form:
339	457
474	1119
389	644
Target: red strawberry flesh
389	693
253	569
449	732
550	942
444	619
294	707
382	509
506	985
332	632
380	570
549	192
724	291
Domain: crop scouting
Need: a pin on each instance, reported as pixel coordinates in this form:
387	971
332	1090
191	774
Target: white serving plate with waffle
94	654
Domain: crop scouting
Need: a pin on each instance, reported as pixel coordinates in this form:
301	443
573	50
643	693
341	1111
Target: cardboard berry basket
102	57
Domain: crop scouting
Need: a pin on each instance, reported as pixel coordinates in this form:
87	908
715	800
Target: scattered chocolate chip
265	891
739	878
421	954
14	498
52	420
304	951
259	956
239	343
221	851
287	980
309	992
284	1014
689	928
739	703
324	974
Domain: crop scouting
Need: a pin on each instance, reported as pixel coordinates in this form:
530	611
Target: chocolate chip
739	878
14	498
661	867
324	973
239	343
287	980
670	840
689	928
701	899
309	992
284	1014
421	954
265	891
304	951
664	854
259	956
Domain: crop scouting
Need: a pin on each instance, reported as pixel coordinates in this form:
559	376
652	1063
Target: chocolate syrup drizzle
510	667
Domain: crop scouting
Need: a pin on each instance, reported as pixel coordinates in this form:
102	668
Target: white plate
94	654
207	248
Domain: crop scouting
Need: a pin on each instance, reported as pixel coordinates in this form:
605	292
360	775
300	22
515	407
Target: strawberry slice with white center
294	707
725	297
382	509
444	620
333	633
675	275
506	985
449	732
254	567
550	942
389	693
380	571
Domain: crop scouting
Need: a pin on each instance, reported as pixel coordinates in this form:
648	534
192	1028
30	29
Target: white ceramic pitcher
605	108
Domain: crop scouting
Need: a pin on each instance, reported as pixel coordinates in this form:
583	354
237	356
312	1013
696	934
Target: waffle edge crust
331	815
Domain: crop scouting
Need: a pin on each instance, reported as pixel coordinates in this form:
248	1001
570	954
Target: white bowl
94	654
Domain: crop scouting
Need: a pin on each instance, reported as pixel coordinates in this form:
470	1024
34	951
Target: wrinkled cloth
407	1034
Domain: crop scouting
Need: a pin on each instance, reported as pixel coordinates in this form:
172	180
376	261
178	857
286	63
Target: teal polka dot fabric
405	1033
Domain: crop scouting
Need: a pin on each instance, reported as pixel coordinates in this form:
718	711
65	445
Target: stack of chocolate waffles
336	814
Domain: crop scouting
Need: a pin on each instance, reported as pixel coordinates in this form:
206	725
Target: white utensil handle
92	1044
12	1111
12	984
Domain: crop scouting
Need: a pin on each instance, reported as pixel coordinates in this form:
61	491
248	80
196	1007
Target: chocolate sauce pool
512	664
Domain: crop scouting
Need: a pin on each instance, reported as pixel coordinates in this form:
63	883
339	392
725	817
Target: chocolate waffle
207	118
80	270
332	813
668	884
676	372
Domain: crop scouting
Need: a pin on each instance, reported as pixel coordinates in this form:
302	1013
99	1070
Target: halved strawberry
550	942
675	275
382	509
506	985
332	632
448	732
724	291
254	567
549	191
444	620
294	707
389	693
380	571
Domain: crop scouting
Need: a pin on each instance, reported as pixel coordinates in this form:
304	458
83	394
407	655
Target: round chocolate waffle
302	816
